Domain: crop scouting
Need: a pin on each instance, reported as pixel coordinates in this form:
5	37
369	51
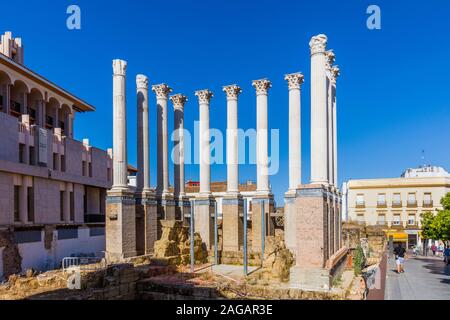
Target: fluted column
295	81
162	94
120	180
232	92
178	101
335	75
143	163
262	136
329	60
319	134
204	97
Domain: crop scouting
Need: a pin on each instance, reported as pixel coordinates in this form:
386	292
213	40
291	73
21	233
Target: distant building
396	203
52	187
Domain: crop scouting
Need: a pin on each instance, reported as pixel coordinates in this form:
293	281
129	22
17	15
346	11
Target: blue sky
393	94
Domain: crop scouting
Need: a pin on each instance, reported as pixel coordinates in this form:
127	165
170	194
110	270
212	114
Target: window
411	219
83	168
22	153
72	206
108	174
61	205
412	199
396	220
397	200
16	203
381	219
55	161
381	201
63	163
90	169
360	217
32	156
360	200
30	204
427	200
85	207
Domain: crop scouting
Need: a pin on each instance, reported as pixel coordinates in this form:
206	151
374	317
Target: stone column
120	180
262	135
167	204
162	95
319	134
120	201
146	204
182	204
204	202
295	81
232	203
335	74
143	174
330	58
264	198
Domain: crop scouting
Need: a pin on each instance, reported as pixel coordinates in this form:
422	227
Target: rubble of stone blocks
373	237
175	244
12	260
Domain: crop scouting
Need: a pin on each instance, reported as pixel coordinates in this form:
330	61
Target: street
425	278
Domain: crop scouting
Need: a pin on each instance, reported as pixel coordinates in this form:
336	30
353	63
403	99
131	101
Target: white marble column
143	163
335	75
319	134
262	135
120	164
162	95
330	58
232	92
295	81
178	101
204	98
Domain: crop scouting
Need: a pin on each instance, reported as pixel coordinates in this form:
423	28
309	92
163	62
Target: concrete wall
6	198
34	255
9	138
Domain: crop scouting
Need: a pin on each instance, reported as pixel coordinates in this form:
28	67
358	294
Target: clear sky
393	93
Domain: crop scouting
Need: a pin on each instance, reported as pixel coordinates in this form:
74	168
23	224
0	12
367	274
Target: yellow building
396	203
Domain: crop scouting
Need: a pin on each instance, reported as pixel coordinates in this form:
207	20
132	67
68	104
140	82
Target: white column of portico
143	174
295	81
178	101
335	75
330	58
162	95
204	98
262	154
232	92
319	134
120	170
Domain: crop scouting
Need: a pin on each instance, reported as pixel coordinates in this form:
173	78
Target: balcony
381	204
397	204
412	203
427	204
360	205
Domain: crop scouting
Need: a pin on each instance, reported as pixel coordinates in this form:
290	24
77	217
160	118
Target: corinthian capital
330	58
294	80
119	67
232	91
335	72
262	86
178	101
141	82
318	44
162	91
204	96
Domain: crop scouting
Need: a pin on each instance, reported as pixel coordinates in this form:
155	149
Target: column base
257	204
182	209
204	218
290	222
232	222
166	206
120	226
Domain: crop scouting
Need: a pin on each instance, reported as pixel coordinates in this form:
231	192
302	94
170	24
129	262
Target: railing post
263	231
192	236
245	238
216	234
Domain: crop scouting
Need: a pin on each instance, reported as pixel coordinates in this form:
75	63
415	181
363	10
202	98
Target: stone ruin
174	244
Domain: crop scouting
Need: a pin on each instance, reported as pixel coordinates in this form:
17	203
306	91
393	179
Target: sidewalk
425	278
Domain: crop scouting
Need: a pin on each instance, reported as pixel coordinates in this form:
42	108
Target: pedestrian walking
400	255
433	249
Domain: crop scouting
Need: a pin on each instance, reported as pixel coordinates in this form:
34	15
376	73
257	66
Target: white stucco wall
34	255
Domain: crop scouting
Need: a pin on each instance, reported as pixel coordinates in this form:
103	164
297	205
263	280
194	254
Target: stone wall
11	260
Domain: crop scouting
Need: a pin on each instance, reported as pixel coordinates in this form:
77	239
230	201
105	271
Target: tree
437	226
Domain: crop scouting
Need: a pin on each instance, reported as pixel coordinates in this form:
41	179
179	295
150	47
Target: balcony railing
412	203
396	204
360	204
427	204
381	204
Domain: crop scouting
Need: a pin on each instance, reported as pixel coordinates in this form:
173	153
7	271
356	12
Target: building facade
53	187
397	203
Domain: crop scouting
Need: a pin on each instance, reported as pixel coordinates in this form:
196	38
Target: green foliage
437	226
358	260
